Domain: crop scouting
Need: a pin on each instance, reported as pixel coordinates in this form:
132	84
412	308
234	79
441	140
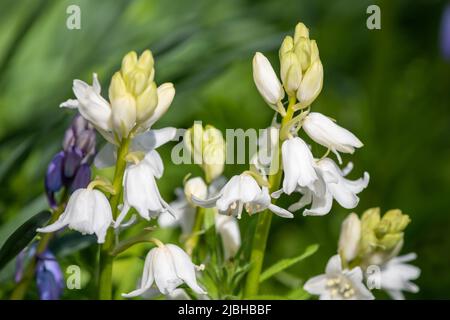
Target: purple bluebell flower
69	168
445	33
49	277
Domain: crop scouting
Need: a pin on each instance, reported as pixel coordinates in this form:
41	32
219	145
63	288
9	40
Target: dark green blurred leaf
22	237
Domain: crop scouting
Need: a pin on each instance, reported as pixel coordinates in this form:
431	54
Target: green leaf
20	238
286	263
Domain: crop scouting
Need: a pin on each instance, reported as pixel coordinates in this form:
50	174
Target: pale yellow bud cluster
301	70
207	148
133	93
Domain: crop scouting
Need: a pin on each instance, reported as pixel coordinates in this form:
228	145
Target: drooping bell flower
168	266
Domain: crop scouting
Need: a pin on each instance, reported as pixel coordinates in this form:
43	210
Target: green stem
106	259
194	238
264	220
21	288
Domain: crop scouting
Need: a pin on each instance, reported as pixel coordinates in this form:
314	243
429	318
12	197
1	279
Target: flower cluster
125	121
370	246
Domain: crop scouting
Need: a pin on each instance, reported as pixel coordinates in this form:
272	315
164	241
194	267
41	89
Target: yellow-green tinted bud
290	71
207	147
314	51
129	62
311	84
385	234
286	46
303	51
301	31
123	106
146	103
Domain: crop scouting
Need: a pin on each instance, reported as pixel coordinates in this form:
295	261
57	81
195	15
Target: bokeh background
391	87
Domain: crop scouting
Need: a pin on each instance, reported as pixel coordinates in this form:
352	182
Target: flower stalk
106	258
264	220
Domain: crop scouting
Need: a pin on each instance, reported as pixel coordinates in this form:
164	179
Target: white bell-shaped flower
267	81
396	276
324	131
168	266
330	185
239	192
140	189
91	105
339	284
298	165
88	211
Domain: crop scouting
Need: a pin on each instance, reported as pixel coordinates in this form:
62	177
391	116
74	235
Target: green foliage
22	237
286	263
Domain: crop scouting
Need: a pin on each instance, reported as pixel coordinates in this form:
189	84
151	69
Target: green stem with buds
264	220
106	258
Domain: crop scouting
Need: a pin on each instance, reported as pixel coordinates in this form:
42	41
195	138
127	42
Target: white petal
147	277
228	228
316	285
102	216
334	265
164	271
106	157
153	139
327	133
184	268
70	103
280	211
153	159
320	205
298	165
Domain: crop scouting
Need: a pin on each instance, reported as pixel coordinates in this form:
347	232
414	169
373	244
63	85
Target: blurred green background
391	87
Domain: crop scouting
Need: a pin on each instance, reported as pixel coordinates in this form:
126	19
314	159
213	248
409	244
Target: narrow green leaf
20	238
286	263
268	297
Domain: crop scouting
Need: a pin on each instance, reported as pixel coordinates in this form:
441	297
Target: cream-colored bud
266	80
314	51
146	61
195	187
123	106
349	237
291	73
303	52
129	62
286	46
301	31
311	84
146	103
123	114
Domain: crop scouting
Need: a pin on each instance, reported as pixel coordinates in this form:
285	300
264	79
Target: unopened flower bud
301	31
207	147
350	236
266	80
195	187
291	73
311	84
123	106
